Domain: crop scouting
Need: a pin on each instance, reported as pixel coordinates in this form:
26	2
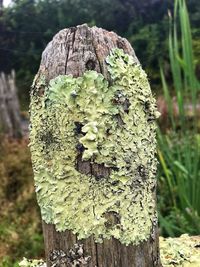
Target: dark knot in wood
90	64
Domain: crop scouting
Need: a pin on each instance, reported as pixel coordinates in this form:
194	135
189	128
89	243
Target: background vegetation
179	144
28	25
168	49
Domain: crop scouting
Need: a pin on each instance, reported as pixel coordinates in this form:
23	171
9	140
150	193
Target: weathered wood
109	253
73	51
10	121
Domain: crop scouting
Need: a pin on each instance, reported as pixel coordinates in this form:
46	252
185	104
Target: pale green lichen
112	125
32	263
183	251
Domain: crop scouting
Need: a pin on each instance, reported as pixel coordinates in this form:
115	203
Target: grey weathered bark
73	51
10	121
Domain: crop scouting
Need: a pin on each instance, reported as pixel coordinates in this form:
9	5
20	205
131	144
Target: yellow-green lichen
183	251
110	125
32	263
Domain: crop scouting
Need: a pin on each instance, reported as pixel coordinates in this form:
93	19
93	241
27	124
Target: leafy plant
179	148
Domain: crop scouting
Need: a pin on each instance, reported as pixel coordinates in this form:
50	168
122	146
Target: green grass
179	148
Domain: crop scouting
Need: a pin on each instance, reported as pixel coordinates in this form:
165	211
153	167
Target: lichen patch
183	251
110	125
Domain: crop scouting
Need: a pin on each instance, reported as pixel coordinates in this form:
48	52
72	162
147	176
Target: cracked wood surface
73	51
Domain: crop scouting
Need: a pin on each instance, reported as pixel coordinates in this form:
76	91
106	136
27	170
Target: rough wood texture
10	121
73	51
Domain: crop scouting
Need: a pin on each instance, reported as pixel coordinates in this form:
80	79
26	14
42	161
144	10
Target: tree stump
93	151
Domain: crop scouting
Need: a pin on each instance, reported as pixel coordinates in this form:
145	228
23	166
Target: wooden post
10	121
93	152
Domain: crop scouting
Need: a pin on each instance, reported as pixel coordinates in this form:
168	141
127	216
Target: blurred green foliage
20	226
28	25
179	146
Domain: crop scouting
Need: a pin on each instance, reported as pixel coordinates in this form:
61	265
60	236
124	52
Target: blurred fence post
10	121
93	152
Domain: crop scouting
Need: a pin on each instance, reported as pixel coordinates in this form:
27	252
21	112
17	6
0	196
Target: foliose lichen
32	263
183	251
108	124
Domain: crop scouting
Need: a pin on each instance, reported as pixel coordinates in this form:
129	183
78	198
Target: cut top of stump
78	49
